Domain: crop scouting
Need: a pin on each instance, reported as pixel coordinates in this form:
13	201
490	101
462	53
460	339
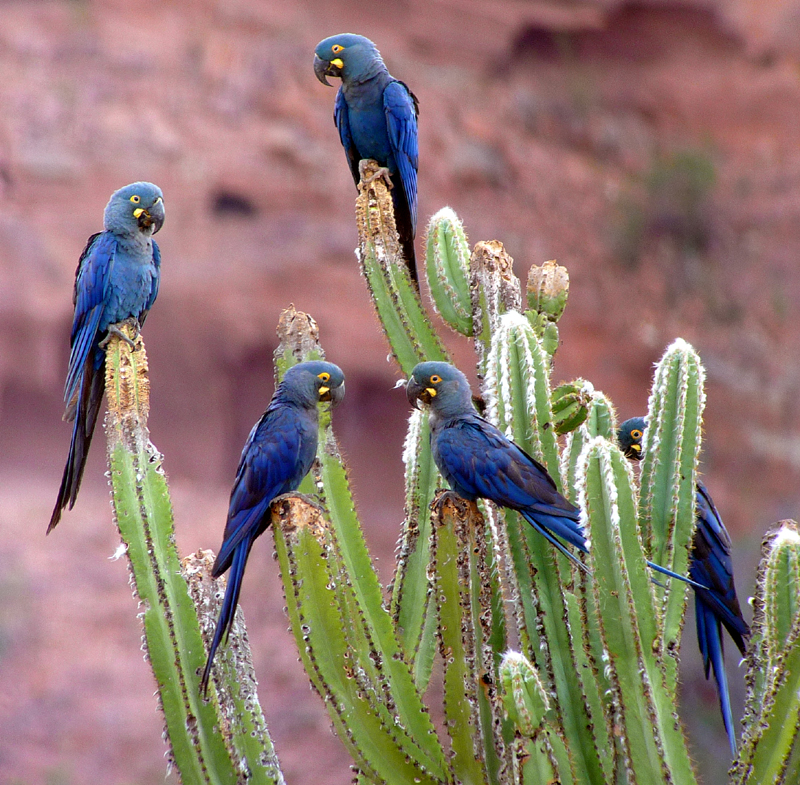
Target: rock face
651	147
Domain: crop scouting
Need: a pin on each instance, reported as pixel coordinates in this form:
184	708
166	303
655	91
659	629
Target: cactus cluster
550	673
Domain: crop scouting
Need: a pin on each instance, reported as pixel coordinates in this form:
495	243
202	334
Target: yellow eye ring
136	199
636	434
324	377
435	379
336	49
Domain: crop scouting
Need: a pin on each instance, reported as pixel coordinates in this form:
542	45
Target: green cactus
548	289
669	480
411	592
769	752
394	295
209	742
447	263
550	673
653	746
524	696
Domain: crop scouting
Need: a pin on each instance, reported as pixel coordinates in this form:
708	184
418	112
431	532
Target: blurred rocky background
650	146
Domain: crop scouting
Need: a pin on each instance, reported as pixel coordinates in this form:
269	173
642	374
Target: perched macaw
478	461
710	566
117	279
376	115
276	457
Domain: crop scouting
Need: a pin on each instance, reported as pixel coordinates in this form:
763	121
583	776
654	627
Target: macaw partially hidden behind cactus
711	567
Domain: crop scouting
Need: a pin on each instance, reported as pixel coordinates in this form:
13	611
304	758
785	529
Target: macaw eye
135	199
324	376
435	379
336	49
636	434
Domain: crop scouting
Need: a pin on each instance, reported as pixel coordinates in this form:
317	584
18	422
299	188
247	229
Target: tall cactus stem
770	749
411	591
447	266
668	482
394	294
242	722
317	593
517	389
172	639
494	289
652	742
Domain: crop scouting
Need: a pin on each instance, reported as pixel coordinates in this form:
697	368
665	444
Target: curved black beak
415	392
153	216
324	68
333	394
634	451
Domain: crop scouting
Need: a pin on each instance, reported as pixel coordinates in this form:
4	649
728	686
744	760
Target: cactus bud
780	585
524	696
570	407
548	289
447	265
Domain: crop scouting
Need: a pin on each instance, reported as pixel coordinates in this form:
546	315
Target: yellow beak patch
337	62
138	211
430	391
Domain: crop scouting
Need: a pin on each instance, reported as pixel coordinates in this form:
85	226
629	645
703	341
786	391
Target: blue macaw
711	566
117	279
376	115
478	461
276	457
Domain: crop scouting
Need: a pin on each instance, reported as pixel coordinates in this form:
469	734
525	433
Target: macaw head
441	386
629	437
316	381
138	207
350	57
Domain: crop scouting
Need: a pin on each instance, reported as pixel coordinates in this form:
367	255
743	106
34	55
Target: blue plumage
710	566
478	461
117	279
276	457
376	116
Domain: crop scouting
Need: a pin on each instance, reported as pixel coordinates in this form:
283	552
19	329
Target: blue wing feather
272	463
91	286
716	605
229	602
711	565
341	116
156	280
400	107
709	638
478	461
